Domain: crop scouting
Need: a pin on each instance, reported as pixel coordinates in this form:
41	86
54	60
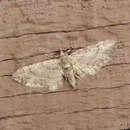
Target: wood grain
35	30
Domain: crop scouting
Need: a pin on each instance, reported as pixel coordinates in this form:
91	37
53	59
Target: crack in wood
17	116
6	75
56	54
98	108
63	91
39	93
73	112
103	88
116	64
67	31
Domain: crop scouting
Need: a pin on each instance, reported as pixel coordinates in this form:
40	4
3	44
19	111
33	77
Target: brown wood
34	30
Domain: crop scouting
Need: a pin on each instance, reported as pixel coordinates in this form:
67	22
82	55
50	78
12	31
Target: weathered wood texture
34	30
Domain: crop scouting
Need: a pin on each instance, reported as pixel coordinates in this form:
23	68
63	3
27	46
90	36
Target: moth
52	73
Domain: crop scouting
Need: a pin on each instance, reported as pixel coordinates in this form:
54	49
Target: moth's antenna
61	52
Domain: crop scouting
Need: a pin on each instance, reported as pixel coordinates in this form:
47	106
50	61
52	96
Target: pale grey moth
51	74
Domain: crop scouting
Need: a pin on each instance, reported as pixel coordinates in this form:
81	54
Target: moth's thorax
65	63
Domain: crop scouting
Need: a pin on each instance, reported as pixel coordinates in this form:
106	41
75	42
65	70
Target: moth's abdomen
70	77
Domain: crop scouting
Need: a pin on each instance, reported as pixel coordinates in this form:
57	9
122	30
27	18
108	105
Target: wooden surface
34	30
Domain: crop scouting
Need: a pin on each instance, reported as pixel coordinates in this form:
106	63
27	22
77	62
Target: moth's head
64	60
65	52
63	55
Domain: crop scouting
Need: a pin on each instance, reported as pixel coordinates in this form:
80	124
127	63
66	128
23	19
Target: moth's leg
64	77
76	74
79	73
